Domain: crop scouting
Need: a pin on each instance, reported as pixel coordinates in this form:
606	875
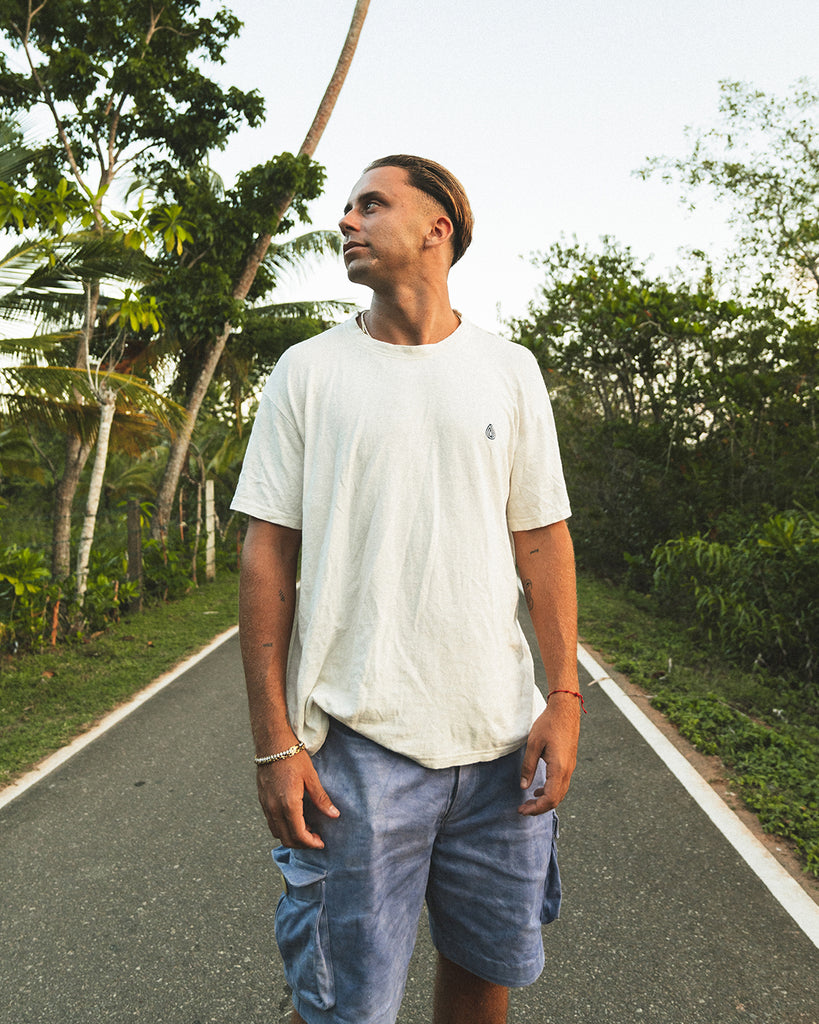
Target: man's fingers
529	766
282	789
320	799
543	800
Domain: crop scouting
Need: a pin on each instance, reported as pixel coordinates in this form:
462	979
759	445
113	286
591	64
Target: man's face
384	225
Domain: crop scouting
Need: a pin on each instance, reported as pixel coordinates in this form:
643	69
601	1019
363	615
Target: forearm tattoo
527	593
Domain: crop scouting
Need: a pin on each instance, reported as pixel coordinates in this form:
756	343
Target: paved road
137	885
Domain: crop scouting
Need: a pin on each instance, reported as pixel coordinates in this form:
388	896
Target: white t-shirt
406	468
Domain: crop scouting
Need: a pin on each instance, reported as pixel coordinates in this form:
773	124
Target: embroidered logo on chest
490	432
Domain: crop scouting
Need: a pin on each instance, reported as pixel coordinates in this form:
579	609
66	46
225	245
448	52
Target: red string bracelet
572	693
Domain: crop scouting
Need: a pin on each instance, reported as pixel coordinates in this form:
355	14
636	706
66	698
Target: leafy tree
680	410
62	270
122	84
762	157
122	81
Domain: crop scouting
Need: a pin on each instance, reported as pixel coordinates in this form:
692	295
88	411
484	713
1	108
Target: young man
411	460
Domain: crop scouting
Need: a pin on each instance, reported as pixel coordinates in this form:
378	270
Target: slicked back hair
441	185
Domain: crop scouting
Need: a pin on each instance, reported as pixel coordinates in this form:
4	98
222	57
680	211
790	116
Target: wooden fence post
210	533
135	551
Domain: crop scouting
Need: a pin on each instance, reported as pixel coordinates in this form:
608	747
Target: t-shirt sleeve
271	482
537	492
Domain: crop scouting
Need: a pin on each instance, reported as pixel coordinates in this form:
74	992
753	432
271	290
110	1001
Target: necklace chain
363	323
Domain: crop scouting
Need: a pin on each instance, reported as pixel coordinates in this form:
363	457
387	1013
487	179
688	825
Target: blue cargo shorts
347	921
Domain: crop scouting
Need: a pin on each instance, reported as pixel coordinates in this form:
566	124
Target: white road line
44	768
765	866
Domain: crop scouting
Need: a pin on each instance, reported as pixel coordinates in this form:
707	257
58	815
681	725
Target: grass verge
48	698
762	727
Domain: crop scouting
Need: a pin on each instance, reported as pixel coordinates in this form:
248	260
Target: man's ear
439	233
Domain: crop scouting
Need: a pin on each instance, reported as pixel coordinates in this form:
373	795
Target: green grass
48	698
761	726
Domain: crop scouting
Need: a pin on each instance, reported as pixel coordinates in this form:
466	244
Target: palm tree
247	276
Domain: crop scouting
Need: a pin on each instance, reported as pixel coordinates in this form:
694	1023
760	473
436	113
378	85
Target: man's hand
554	738
282	788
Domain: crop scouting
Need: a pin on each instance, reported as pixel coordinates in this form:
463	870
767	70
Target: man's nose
347	223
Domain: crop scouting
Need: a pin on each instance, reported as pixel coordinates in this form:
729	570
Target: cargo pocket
550	910
302	932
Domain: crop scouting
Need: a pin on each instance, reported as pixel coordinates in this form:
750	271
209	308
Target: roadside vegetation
755	721
50	696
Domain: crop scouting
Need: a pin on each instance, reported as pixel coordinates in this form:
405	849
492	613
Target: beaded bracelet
290	752
572	693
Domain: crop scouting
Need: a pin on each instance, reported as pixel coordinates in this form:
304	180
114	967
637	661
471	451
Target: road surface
137	885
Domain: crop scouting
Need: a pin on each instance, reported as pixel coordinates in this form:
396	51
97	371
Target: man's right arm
267	604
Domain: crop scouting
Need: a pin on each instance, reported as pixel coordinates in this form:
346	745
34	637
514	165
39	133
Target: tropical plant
757	595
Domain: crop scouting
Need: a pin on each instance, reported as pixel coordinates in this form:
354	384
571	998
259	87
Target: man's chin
357	273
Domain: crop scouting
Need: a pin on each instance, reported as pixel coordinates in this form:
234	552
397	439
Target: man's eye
370	204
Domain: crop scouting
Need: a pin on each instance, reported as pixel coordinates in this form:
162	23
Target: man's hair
441	185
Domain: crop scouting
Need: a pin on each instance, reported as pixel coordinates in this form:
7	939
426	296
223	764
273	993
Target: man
410	460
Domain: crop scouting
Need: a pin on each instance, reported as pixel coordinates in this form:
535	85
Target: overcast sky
543	109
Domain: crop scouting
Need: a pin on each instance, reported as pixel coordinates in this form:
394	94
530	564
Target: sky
543	109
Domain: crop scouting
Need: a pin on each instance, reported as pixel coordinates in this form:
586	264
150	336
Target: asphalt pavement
137	885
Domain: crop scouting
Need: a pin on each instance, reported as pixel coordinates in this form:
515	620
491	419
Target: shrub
758	597
25	592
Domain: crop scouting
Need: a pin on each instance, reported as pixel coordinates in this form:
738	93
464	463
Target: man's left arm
545	559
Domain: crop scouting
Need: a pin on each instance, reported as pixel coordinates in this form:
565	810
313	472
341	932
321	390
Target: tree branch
47	98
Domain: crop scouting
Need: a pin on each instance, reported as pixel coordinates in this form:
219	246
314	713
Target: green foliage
25	594
37	612
123	73
197	283
33	607
754	720
762	157
167	571
759	596
776	770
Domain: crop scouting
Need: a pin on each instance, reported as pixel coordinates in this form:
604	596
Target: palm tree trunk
108	405
76	456
180	444
181	441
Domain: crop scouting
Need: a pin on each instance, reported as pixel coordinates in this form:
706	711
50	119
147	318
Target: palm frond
139	479
46	282
15	154
27	348
18	457
21	261
65	392
291	255
321	308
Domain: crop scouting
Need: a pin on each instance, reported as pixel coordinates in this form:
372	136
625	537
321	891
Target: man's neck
411	319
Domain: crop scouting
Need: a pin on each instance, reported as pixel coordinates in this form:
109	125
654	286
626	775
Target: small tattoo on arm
534	551
281	596
527	593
